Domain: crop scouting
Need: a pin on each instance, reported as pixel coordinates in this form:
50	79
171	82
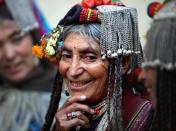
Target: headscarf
25	13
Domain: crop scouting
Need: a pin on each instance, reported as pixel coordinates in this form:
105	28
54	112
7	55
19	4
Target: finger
78	122
81	115
79	107
66	125
74	99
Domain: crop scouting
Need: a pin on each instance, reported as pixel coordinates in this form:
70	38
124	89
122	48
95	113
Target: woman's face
84	72
148	78
16	59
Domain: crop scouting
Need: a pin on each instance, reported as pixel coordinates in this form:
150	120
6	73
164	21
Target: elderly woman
159	69
96	48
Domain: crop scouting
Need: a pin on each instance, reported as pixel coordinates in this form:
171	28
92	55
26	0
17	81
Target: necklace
99	109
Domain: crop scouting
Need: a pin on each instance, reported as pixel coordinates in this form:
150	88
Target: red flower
98	2
87	3
92	3
107	2
153	8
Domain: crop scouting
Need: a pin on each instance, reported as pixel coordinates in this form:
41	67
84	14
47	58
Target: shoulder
136	112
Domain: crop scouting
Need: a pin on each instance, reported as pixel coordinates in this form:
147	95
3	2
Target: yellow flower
38	51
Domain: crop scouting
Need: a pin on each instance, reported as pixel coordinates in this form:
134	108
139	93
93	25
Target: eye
66	56
90	58
16	39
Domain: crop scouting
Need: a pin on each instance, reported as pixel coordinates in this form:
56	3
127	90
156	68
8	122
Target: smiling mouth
13	69
79	85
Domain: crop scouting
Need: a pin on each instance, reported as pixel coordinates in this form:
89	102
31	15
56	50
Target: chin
17	78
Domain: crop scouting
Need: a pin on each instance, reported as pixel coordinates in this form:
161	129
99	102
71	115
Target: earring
66	92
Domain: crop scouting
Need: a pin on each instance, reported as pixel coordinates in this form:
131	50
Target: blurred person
25	80
97	48
159	68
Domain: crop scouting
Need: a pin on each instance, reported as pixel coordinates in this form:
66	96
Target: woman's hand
71	114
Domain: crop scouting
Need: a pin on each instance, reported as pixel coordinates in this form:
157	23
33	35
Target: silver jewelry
71	115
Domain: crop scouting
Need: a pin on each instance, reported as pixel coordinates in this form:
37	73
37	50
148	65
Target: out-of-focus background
54	10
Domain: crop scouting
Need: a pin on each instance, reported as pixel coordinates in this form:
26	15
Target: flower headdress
49	45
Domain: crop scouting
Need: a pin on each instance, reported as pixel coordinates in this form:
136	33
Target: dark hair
165	119
4	13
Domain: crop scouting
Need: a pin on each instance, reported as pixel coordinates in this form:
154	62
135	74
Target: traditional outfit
118	38
160	53
24	105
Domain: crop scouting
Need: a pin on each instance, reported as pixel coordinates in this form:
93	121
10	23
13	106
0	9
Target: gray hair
90	30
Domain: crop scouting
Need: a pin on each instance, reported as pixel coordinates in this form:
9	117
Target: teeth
77	84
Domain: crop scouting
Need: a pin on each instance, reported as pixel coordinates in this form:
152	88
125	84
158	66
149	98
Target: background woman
26	80
159	69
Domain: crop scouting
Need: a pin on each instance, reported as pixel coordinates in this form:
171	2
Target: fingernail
82	98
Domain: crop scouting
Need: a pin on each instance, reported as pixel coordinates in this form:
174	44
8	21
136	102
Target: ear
125	64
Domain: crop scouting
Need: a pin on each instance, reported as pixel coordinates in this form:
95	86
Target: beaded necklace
99	109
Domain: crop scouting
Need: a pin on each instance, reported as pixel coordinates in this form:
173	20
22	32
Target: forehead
7	27
77	41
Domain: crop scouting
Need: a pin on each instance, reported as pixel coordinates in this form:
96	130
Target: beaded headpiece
119	30
160	47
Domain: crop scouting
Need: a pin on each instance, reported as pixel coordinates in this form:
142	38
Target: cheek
62	68
97	70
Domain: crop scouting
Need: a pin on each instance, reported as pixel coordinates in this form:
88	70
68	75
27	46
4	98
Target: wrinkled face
84	72
15	52
148	78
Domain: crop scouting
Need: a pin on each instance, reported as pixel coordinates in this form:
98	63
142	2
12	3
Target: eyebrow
17	32
12	34
82	51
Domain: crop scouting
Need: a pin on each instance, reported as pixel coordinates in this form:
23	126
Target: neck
99	109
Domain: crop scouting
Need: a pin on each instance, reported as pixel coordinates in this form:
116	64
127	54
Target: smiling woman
26	80
15	52
96	49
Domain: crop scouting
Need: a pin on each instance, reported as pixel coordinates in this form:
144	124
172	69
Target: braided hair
165	118
53	106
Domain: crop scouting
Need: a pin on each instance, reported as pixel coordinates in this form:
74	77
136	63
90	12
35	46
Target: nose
9	52
75	68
